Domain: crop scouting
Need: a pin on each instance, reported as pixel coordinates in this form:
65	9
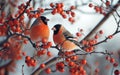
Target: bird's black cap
57	28
44	19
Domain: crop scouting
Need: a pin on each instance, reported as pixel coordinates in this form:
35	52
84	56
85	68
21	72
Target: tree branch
102	21
48	63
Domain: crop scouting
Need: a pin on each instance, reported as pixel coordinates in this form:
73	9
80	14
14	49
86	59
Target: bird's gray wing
67	34
70	37
35	22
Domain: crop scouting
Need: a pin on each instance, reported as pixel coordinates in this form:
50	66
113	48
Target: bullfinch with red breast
64	38
39	29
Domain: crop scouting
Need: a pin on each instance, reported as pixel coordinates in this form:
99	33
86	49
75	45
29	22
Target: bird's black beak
47	19
53	29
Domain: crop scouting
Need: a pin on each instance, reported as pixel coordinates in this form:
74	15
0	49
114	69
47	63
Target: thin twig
22	69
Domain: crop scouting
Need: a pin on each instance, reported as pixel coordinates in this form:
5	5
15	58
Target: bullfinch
64	39
39	29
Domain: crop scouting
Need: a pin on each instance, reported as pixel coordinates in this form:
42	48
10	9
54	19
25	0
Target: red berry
25	41
112	60
58	5
72	70
115	64
74	57
27	57
49	53
110	36
107	58
78	34
116	72
96	36
101	32
83	61
62	70
23	53
42	10
72	14
97	70
71	63
44	40
42	66
39	53
64	16
54	11
90	5
97	8
49	44
72	7
107	3
48	70
33	62
52	5
70	19
67	59
43	51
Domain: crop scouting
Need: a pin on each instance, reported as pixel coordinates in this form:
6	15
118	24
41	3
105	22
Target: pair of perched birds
61	36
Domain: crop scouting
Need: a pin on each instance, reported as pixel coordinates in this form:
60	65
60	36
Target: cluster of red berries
58	8
15	26
112	60
16	22
44	51
36	14
99	9
45	46
30	61
69	56
41	52
89	44
60	66
12	49
48	70
29	10
77	70
3	28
